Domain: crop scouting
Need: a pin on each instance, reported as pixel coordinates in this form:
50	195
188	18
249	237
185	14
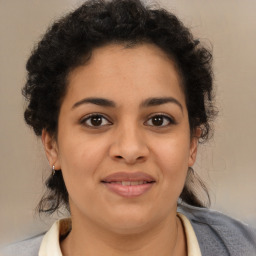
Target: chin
131	222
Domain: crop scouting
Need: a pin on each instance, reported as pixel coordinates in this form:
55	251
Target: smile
129	184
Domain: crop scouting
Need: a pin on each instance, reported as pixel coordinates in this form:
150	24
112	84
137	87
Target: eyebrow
150	102
160	101
97	101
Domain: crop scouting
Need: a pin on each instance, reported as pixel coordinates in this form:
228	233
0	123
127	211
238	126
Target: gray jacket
217	234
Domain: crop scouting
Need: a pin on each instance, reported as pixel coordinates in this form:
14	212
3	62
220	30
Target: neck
165	238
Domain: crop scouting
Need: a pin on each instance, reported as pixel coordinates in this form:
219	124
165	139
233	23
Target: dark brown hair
69	43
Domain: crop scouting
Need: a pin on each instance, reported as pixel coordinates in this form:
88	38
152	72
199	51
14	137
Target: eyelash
90	117
165	118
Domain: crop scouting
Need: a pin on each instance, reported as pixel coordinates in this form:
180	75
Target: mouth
129	184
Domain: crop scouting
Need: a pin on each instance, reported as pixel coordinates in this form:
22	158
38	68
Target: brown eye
95	121
160	121
157	120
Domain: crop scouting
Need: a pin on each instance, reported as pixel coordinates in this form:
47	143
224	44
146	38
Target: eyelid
83	120
87	117
167	116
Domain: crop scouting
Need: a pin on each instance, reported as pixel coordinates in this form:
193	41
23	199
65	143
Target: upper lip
128	176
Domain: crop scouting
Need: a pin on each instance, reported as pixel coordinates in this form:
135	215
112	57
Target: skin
104	223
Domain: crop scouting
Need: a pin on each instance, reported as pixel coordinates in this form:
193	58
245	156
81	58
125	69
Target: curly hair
69	43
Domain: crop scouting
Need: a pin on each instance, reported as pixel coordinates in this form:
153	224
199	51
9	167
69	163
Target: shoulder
28	247
219	234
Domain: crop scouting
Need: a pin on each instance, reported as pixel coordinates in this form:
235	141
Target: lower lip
129	191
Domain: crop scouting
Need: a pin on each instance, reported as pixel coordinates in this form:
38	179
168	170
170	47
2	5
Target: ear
193	146
51	149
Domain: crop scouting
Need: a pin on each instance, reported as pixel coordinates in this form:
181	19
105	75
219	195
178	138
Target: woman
121	94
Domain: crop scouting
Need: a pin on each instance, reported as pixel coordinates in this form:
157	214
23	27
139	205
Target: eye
95	120
160	120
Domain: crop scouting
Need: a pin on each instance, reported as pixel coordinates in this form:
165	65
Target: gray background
227	163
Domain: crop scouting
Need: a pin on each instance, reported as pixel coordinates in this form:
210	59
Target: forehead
113	69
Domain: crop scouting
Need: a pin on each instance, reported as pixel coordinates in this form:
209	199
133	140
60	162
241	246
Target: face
123	144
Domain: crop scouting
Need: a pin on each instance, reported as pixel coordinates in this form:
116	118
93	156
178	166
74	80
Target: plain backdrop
227	162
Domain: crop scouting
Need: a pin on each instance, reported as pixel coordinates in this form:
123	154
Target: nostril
120	157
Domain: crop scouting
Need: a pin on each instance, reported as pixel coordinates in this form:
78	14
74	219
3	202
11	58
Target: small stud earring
53	170
191	170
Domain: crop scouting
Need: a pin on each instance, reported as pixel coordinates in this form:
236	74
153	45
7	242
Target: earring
53	170
190	169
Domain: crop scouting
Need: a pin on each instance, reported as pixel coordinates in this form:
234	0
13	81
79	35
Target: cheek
81	151
172	158
173	151
80	159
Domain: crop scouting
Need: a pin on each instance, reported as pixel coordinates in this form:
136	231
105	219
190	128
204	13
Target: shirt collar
50	245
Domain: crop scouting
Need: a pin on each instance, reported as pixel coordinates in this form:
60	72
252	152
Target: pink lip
113	183
127	176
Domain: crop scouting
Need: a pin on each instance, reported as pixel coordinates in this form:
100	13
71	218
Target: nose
129	146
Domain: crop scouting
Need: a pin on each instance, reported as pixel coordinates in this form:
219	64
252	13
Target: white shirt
50	245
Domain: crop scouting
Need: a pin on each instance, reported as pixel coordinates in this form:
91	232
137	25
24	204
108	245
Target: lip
128	176
113	182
